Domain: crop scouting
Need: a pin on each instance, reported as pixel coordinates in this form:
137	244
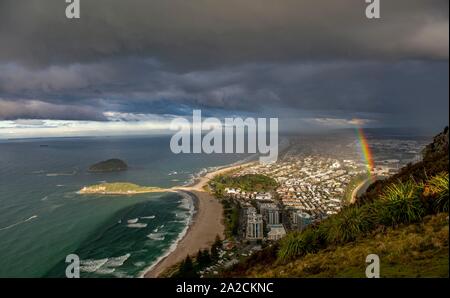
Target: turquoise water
43	219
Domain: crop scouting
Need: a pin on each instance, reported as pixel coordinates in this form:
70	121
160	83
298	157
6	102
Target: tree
218	241
206	257
199	258
215	247
203	258
186	268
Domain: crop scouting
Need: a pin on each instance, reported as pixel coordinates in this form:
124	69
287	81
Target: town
263	202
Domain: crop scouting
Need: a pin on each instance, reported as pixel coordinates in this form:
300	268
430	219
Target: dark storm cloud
405	90
134	86
204	33
35	109
288	58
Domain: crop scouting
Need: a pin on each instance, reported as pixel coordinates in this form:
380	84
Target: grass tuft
401	203
437	188
348	225
298	244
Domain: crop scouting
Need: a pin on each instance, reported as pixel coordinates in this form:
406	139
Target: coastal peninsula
119	188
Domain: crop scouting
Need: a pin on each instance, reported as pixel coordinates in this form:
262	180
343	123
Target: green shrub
401	203
297	244
437	187
348	225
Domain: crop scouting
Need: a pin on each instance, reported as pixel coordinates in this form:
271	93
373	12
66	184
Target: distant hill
403	219
110	165
438	147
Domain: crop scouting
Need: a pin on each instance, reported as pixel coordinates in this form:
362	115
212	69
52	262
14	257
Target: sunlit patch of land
119	188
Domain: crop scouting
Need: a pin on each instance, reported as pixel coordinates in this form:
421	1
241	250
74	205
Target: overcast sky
134	65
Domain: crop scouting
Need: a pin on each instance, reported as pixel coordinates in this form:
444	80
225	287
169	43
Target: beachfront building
263	196
270	212
231	191
273	217
293	217
303	220
254	225
276	232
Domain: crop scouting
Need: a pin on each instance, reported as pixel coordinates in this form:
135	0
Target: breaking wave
132	221
156	236
103	266
137	225
18	223
148	217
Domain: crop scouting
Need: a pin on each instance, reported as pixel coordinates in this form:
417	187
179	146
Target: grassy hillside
415	250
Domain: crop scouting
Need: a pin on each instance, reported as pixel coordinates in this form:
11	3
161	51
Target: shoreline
364	184
357	189
181	236
206	223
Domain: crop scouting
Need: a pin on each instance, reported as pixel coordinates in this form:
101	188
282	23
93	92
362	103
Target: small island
119	188
110	165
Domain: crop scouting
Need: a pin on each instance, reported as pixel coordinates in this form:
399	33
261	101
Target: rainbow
365	150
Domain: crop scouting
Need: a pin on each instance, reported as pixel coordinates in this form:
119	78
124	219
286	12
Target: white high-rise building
273	217
254	225
270	213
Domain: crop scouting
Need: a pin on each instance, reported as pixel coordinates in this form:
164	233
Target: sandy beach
206	224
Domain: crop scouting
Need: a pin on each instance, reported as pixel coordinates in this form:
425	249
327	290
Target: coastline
205	225
182	235
363	187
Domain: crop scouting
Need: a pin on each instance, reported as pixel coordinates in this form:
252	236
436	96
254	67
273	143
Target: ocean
43	219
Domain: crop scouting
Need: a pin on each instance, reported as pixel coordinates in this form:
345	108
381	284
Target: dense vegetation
249	183
231	211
